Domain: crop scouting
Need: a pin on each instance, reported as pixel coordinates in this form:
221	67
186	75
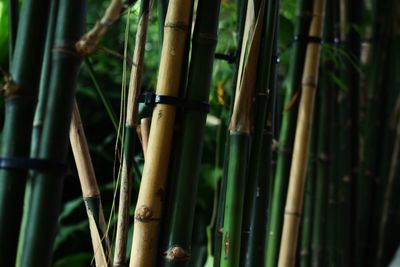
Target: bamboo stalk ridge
130	134
90	191
294	202
149	203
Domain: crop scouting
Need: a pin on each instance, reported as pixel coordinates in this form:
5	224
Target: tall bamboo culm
20	94
130	135
43	193
149	204
90	191
294	202
181	212
286	137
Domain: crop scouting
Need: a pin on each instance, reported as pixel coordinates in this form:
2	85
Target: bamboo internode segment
90	191
149	204
294	202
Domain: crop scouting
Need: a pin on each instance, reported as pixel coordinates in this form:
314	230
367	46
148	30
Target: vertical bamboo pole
90	191
149	204
20	94
130	134
43	193
294	202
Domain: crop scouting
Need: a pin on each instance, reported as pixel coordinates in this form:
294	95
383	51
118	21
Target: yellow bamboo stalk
149	204
145	124
131	123
90	190
294	201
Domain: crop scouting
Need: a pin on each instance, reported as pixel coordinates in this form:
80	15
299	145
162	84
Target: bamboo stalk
13	16
130	134
217	249
255	211
286	137
43	197
294	202
180	217
145	125
148	207
239	140
20	94
90	191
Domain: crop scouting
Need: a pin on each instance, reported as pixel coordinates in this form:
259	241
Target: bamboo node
275	145
144	214
179	25
347	178
305	253
10	88
177	253
323	157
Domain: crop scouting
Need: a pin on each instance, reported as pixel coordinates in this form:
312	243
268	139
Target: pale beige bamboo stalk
145	124
149	204
88	42
131	123
90	191
294	201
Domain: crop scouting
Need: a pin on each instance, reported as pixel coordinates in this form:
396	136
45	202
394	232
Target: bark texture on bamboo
90	191
294	202
151	193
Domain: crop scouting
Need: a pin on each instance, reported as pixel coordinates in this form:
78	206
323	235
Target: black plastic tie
152	99
33	164
230	58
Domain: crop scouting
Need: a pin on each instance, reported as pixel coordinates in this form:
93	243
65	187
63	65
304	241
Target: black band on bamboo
151	98
230	58
33	164
307	39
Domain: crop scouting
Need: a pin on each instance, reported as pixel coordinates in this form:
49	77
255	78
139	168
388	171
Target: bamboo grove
266	133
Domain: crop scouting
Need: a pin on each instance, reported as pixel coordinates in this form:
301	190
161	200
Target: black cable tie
230	58
150	98
307	39
33	164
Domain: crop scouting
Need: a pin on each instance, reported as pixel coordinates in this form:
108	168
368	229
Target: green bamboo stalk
241	15
43	197
20	100
239	139
180	217
318	243
309	196
130	135
44	82
13	16
347	159
370	159
162	12
286	137
90	191
254	217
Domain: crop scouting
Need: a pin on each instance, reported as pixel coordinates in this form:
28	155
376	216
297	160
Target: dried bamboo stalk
90	191
130	125
149	204
294	201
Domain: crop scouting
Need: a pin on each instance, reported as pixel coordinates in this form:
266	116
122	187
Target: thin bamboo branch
90	191
130	134
294	202
149	204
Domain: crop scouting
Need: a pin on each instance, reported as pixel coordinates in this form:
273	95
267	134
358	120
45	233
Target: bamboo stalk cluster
310	169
